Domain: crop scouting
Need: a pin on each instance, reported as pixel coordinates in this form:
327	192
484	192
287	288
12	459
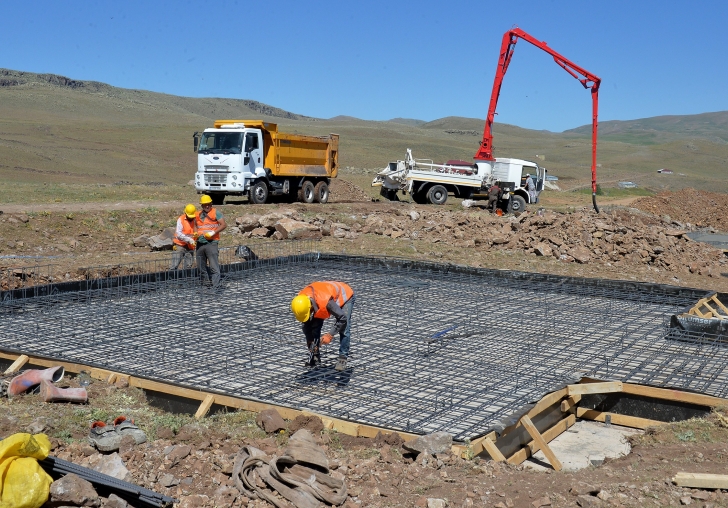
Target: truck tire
258	193
321	192
306	192
516	204
437	195
217	199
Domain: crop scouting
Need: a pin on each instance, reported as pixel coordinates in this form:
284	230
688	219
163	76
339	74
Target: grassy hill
64	139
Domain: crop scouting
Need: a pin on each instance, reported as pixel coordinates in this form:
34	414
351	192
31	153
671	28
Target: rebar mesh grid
434	347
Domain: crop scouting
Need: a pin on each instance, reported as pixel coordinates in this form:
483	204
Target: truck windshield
221	142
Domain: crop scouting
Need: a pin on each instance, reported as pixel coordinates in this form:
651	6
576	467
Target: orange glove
326	338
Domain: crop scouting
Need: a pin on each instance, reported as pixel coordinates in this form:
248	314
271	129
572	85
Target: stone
167	480
270	421
111	465
193	501
586	501
261	232
296	230
179	452
437	442
247	222
436	503
162	241
581	254
685	500
115	501
73	490
543	249
541	501
224	496
414	215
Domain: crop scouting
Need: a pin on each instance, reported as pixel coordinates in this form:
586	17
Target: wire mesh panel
434	347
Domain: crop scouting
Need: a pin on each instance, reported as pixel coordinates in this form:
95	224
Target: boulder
437	442
73	490
292	229
248	222
162	241
270	421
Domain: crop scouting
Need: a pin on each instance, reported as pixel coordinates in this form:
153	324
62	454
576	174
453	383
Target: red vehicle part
586	78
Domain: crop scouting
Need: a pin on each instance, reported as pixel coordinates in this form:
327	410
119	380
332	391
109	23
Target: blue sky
378	60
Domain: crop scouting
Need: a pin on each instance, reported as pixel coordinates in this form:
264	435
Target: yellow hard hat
301	307
190	211
205	199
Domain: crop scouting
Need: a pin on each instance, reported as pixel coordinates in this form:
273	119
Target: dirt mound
343	191
700	208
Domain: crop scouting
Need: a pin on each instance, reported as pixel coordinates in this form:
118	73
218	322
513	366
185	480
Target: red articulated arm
586	78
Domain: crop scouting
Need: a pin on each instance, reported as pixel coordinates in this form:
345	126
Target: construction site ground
653	246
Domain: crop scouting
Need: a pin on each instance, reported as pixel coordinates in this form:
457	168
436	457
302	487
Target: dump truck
251	157
426	181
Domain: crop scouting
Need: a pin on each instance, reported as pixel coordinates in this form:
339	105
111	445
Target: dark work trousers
312	329
208	264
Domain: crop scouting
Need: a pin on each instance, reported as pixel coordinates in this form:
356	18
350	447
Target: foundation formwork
434	347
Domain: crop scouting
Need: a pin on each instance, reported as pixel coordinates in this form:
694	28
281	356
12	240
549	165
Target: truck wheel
437	195
258	193
517	204
305	193
321	192
217	199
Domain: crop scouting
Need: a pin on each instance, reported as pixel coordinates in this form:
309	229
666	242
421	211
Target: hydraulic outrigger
586	78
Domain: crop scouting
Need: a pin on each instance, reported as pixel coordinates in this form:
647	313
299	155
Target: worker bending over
209	223
494	195
317	302
184	239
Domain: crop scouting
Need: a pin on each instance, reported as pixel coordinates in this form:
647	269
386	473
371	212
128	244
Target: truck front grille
214	178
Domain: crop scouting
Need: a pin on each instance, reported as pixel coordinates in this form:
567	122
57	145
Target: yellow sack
23	483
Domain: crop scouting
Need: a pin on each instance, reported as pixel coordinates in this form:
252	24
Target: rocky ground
193	460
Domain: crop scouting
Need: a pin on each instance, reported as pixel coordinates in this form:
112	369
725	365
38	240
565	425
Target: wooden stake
205	406
493	450
538	438
17	364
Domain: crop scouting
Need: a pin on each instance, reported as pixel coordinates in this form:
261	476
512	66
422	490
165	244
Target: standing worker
209	223
317	302
494	195
530	188
184	239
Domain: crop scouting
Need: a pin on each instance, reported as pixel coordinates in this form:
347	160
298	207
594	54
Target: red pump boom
586	78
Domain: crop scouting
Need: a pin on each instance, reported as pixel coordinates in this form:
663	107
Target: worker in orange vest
313	305
184	239
210	223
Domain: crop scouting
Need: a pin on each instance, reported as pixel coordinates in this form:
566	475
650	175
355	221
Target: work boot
104	437
340	363
126	427
52	393
33	377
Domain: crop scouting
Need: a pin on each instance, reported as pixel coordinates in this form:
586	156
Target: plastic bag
24	483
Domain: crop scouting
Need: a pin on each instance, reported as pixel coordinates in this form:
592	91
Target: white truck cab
228	159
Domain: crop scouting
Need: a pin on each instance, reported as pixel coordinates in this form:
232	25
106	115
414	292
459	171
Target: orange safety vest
187	229
322	292
209	224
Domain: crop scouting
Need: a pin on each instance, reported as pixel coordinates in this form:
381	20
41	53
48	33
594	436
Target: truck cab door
254	153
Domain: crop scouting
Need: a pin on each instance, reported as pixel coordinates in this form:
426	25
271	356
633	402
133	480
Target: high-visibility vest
187	229
209	224
322	292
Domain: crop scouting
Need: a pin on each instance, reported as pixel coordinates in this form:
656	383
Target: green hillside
88	140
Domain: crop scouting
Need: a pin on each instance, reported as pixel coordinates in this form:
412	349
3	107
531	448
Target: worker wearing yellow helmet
313	305
184	239
209	223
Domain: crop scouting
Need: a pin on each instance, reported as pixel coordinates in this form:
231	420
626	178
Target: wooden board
343	426
204	407
701	480
589	388
617	419
493	450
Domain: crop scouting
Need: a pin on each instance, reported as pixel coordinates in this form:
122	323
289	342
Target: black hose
594	201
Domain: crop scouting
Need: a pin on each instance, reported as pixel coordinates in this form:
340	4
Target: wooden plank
701	480
112	378
17	364
532	447
588	388
568	404
493	450
617	419
205	406
674	395
719	303
538	439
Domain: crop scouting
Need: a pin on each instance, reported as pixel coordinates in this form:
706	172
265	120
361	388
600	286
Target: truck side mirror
246	160
195	141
